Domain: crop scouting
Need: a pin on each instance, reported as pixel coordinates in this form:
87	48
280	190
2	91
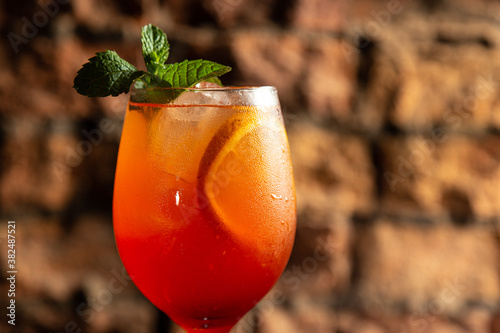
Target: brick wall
391	110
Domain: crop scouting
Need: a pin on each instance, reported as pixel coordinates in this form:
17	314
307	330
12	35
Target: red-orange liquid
203	258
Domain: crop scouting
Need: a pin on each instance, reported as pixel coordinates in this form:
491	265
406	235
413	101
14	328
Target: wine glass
204	201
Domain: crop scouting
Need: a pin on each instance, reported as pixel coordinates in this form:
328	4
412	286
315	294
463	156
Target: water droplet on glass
177	198
276	196
286	199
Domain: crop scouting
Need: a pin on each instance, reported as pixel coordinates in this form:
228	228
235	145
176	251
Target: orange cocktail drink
204	202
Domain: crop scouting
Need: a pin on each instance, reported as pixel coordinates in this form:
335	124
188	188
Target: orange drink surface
204	208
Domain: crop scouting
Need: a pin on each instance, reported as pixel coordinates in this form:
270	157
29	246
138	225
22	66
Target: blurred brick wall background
393	113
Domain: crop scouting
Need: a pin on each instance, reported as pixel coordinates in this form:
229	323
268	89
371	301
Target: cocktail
204	201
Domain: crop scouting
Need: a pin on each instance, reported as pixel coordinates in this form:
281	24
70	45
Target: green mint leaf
105	74
145	91
155	47
190	72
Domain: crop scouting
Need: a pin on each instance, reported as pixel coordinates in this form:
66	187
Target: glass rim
223	88
228	95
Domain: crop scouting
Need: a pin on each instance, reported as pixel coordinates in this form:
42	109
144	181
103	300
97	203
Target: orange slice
224	170
245	183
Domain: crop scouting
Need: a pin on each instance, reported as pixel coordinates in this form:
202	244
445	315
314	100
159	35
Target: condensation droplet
286	199
177	198
276	196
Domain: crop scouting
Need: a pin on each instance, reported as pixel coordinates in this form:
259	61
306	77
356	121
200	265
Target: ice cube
210	96
207	85
178	135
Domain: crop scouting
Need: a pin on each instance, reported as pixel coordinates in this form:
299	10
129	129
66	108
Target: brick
420	83
442	175
302	317
56	271
415	323
319	14
352	322
265	58
42	167
233	13
334	16
330	80
332	170
28	180
320	264
95	14
274	320
314	72
429	270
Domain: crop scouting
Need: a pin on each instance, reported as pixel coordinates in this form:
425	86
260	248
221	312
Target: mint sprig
107	74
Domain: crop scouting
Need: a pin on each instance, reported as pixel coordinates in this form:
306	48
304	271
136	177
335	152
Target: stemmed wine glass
204	200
